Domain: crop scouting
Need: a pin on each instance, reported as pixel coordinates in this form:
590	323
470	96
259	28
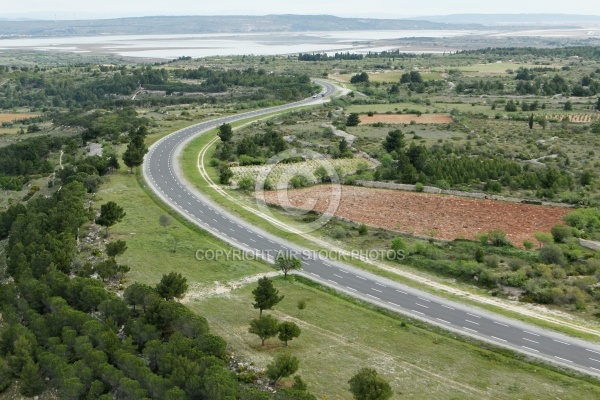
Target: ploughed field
442	216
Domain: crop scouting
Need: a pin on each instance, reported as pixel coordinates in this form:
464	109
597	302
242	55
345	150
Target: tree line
449	166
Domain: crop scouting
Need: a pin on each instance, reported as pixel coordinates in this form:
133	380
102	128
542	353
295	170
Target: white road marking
400	291
469	329
563	359
376	290
332	281
473	315
593	359
345	272
421	305
471	322
532	341
418	312
348	287
360	277
529	333
497	338
597	352
338	276
394	304
312	273
420	298
380	284
499	323
448	307
444	321
373	297
558	341
529	348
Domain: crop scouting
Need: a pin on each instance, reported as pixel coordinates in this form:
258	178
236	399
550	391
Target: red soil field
442	216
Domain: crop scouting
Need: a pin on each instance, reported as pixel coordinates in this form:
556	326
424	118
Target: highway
162	173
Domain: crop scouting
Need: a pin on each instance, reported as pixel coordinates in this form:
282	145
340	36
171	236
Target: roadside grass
339	337
188	164
150	246
150	252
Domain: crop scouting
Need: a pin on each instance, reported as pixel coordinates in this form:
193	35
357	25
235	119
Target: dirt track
405	119
445	217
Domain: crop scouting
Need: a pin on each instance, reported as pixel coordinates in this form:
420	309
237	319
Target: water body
206	45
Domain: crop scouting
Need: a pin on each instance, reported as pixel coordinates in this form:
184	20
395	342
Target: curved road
161	172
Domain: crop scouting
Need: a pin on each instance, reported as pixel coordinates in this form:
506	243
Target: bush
398	244
298	181
551	254
246	184
363	230
492	261
338	232
561	233
497	237
419	187
301	304
479	255
528	244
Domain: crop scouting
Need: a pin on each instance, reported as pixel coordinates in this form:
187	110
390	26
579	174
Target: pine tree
531	122
136	149
265	295
31	382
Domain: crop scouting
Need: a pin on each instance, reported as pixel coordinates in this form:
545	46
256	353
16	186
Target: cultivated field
405	119
282	173
450	217
10	117
577	118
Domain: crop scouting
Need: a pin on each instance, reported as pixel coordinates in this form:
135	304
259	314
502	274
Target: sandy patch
200	291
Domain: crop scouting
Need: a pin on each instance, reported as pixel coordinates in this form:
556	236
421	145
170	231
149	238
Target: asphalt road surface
161	171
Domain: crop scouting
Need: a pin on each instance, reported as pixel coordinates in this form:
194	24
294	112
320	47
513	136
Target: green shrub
363	230
492	261
497	237
479	255
398	244
561	233
528	244
338	232
298	182
246	184
552	254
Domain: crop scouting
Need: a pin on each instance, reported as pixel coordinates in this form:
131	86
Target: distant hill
513	19
214	24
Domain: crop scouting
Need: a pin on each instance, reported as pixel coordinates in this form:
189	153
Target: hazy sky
75	9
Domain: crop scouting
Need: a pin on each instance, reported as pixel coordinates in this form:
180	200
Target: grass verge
340	336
